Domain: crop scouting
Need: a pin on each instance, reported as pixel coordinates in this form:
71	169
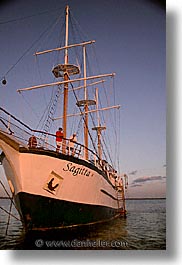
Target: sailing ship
62	187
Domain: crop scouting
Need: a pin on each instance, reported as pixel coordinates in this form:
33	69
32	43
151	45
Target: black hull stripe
41	212
79	225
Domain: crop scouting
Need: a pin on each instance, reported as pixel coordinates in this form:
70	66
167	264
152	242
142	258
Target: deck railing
21	132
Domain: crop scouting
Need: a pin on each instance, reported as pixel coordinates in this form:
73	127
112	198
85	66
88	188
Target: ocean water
144	228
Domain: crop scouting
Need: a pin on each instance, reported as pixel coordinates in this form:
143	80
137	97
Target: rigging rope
107	150
26	51
30	16
12	202
79	26
79	127
89	69
9	213
55	22
119	133
51	106
107	102
84	120
78	59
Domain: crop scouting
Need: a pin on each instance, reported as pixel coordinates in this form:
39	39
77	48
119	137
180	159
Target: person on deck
32	142
59	139
72	142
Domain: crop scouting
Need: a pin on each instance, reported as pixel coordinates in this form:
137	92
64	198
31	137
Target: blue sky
130	40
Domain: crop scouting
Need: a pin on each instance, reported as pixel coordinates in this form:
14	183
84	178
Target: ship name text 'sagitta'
77	170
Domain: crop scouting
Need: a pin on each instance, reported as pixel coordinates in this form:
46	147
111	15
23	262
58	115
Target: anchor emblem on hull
53	183
50	185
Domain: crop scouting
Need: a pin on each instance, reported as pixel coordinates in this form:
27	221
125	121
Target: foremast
65	102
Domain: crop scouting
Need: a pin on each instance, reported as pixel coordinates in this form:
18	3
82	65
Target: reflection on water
144	228
103	236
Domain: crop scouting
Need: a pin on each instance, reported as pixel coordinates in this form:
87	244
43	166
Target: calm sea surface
143	229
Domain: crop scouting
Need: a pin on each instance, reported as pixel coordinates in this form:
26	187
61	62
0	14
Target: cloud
133	172
146	178
135	185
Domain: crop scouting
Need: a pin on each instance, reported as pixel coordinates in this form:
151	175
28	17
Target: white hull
46	174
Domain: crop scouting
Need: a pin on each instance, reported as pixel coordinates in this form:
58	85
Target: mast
98	125
85	107
98	128
65	102
85	103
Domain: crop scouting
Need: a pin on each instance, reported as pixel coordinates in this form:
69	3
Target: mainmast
65	102
85	103
86	106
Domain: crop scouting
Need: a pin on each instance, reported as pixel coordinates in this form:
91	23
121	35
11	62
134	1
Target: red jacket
59	136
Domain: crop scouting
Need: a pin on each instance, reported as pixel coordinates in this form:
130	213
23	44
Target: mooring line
11	199
10	213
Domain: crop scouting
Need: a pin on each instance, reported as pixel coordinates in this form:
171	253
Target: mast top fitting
87	102
61	69
99	128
